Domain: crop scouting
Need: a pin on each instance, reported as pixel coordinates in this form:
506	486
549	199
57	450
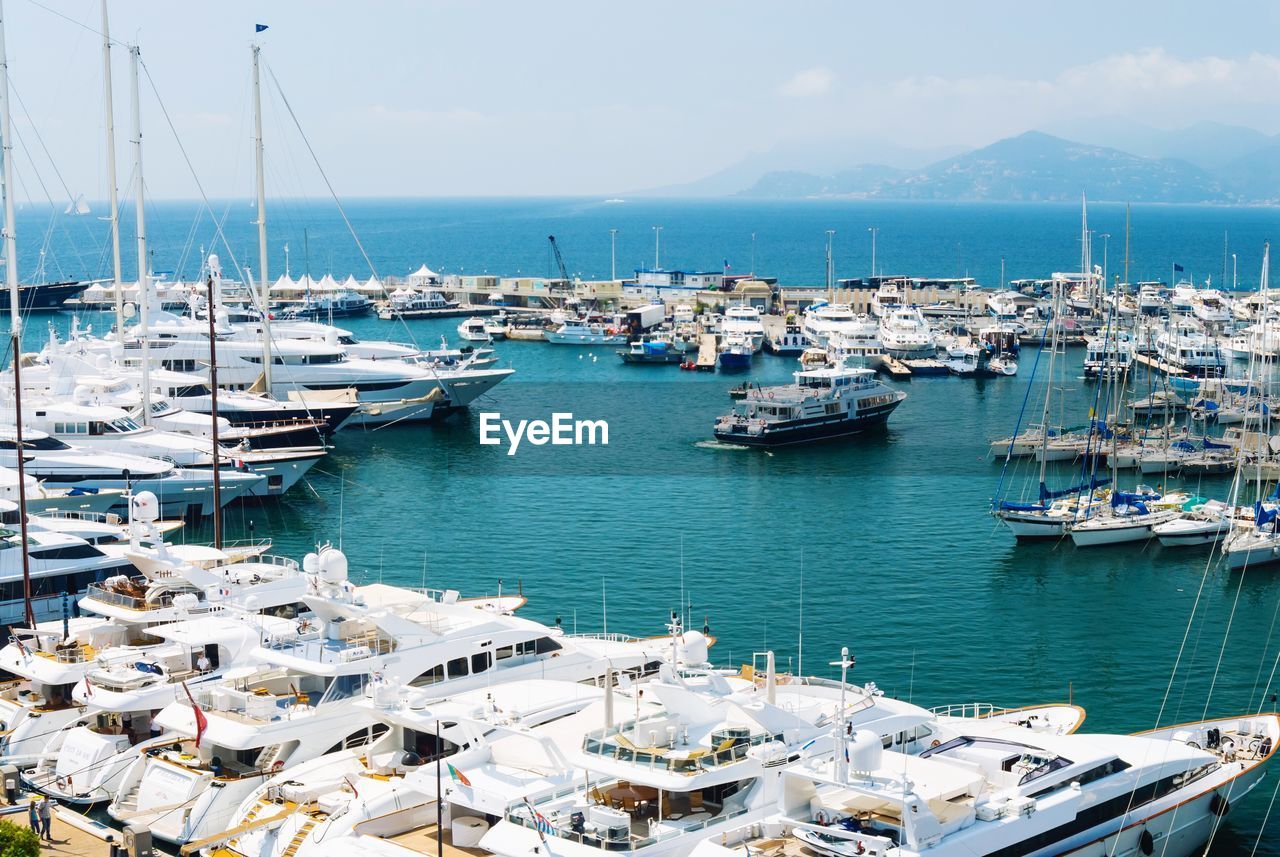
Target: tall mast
262	224
15	317
213	399
144	285
1054	309
111	173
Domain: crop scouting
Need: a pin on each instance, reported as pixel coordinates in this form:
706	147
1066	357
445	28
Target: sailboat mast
213	399
15	316
262	224
1054	309
139	200
112	195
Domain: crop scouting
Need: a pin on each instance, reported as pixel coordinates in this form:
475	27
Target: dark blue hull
730	362
809	430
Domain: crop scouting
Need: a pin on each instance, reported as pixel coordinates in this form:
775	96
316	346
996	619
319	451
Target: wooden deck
423	841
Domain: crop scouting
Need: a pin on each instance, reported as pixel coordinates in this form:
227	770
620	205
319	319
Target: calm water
883	545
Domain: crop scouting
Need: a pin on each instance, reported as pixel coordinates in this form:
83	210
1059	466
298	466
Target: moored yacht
905	334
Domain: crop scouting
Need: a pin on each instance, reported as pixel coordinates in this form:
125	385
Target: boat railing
609	638
676	760
521	814
970	710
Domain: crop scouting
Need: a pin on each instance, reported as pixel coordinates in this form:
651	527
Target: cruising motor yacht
409	301
905	334
1211	307
85	760
651	350
1183	346
1108	356
790	341
887	299
707	761
181	492
1152	299
478	329
744	320
300	702
824	322
1014	793
344	304
823	403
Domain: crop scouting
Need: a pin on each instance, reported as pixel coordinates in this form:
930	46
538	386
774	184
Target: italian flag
458	776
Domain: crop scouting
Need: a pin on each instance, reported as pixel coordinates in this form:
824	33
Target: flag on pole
1178	269
258	28
540	822
458	776
202	722
88	688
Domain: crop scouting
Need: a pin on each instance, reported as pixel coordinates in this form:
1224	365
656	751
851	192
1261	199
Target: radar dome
186	602
311	563
130	310
865	750
333	565
692	648
146	507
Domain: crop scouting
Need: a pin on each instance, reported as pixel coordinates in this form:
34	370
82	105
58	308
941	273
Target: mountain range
1206	162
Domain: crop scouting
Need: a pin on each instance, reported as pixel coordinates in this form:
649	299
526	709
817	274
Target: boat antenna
112	192
213	408
15	316
800	641
682	598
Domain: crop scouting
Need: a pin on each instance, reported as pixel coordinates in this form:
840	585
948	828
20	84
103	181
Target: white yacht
744	320
824	322
887	298
1211	307
475	329
1109	356
300	702
1184	346
905	334
581	331
1014	792
181	492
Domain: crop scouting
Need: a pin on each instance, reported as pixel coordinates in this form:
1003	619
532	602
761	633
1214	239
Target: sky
465	98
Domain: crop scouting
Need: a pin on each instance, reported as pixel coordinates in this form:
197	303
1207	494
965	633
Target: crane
555	249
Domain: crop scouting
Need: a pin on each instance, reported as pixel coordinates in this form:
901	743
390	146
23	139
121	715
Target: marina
816	527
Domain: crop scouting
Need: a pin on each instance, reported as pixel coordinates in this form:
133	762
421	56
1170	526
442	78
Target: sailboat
78	206
1260	543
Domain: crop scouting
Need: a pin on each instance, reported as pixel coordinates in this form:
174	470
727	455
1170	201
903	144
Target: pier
706	361
1158	364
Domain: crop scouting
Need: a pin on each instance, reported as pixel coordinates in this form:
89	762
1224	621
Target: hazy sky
493	98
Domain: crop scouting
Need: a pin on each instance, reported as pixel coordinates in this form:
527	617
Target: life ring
820	817
1146	843
1219	806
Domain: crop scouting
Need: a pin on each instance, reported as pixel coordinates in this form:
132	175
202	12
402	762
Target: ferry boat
341	305
823	403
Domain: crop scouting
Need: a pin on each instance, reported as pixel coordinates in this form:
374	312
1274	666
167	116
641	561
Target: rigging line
81	24
1270	636
48	235
1265	818
235	264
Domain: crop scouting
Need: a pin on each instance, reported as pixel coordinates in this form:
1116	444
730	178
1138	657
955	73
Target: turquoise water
888	539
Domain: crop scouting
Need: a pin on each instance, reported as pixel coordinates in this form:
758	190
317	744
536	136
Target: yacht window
36	443
431	676
504	653
360	738
84	551
528	647
546	644
124	424
347	340
457	667
479	662
67	428
427	746
315	359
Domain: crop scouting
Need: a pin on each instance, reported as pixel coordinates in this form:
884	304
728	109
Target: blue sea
884	544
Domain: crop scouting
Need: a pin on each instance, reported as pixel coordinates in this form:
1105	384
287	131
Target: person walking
33	815
46	818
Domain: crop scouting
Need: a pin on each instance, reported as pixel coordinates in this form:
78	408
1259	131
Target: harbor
504	525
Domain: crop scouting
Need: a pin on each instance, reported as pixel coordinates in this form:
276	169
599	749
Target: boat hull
812	431
731	362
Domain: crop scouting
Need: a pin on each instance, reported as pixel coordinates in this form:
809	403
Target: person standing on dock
46	818
33	815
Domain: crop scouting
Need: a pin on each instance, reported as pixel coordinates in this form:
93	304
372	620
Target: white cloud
808	83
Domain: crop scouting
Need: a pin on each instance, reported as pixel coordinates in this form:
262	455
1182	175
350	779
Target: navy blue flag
258	28
1178	269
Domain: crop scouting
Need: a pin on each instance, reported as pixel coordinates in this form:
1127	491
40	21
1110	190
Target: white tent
351	284
327	284
424	276
285	284
373	285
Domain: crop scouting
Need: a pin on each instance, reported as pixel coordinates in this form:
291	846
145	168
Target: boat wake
715	444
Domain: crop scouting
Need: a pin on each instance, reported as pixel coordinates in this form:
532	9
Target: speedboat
475	330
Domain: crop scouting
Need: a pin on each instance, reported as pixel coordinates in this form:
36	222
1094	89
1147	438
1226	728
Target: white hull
1195	538
1085	535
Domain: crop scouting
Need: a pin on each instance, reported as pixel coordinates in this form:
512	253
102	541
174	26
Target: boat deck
423	841
781	846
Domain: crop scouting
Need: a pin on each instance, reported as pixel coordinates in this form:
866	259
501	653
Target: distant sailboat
77	206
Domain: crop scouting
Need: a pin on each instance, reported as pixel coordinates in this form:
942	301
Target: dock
895	367
386	313
1157	364
706	353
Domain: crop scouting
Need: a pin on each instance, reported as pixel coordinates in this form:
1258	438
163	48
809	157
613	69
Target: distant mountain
822	157
1035	166
1208	145
859	181
1256	175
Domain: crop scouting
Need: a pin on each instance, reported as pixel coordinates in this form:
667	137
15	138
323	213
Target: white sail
77	206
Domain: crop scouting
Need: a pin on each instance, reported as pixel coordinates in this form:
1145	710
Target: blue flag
258	28
1178	269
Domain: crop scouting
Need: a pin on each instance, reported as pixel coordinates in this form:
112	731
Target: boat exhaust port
562	430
